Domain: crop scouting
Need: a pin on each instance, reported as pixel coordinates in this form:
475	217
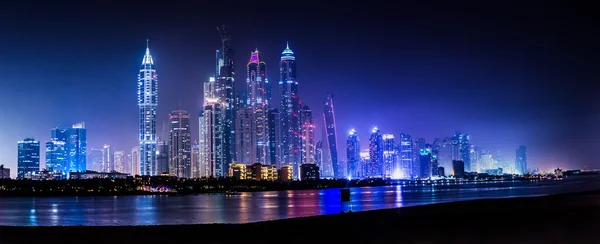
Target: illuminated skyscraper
389	156
319	155
107	159
147	102
521	160
353	155
273	126
375	165
135	157
213	137
245	137
202	160
425	163
119	158
56	156
307	136
406	156
95	160
329	122
28	160
180	144
290	112
258	102
224	91
461	150
195	160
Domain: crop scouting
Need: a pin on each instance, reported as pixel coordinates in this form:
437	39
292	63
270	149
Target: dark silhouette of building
309	172
458	166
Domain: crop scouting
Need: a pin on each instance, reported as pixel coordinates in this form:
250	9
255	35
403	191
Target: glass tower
258	101
290	111
28	157
353	155
331	135
147	102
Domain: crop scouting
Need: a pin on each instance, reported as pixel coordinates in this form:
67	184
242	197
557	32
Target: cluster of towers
235	127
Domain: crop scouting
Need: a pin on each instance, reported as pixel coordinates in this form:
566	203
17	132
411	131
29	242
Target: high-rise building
425	163
107	159
406	156
389	156
195	160
135	158
162	157
365	162
224	91
418	144
353	155
119	158
319	154
28	160
95	160
309	172
375	166
521	160
213	137
202	163
56	156
273	125
290	112
325	167
458	168
129	163
4	172
307	136
245	137
180	144
147	103
330	127
258	101
461	150
442	150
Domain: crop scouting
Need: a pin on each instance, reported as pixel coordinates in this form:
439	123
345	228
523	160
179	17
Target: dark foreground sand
569	218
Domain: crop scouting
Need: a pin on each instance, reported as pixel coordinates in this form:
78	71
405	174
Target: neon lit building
56	156
290	112
406	156
28	161
258	101
180	144
245	137
375	166
353	155
224	90
389	155
213	137
307	137
330	127
274	129
147	103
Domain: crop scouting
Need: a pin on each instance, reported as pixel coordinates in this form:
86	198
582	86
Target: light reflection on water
257	206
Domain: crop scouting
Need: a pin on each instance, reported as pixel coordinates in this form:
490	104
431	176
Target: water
257	206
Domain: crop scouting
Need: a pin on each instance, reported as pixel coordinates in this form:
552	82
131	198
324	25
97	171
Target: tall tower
245	137
180	144
225	91
28	157
256	80
213	138
290	112
375	165
353	154
521	160
147	102
273	126
389	156
406	156
307	137
330	127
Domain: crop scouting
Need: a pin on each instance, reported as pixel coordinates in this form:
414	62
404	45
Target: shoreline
554	217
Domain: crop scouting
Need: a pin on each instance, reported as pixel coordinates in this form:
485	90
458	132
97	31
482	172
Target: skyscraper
245	137
202	163
406	155
213	137
28	160
119	158
290	112
425	163
95	160
107	159
461	150
147	102
256	80
521	160
135	158
375	165
330	127
162	157
353	154
224	91
389	156
195	160
56	156
180	144
319	155
307	136
273	126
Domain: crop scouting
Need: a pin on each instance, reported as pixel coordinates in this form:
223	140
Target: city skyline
364	102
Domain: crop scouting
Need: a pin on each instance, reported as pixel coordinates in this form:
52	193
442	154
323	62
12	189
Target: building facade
180	144
331	135
307	136
147	103
258	102
28	161
290	111
353	155
375	166
521	160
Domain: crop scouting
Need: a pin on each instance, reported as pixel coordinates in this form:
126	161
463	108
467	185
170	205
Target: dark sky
505	73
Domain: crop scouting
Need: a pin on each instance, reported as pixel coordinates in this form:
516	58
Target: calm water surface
258	206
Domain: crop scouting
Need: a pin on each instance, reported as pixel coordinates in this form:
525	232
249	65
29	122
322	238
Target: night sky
506	74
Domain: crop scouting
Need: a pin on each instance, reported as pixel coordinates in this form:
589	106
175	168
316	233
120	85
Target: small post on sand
345	194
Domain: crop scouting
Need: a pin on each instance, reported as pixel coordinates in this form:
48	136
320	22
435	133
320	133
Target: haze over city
497	76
